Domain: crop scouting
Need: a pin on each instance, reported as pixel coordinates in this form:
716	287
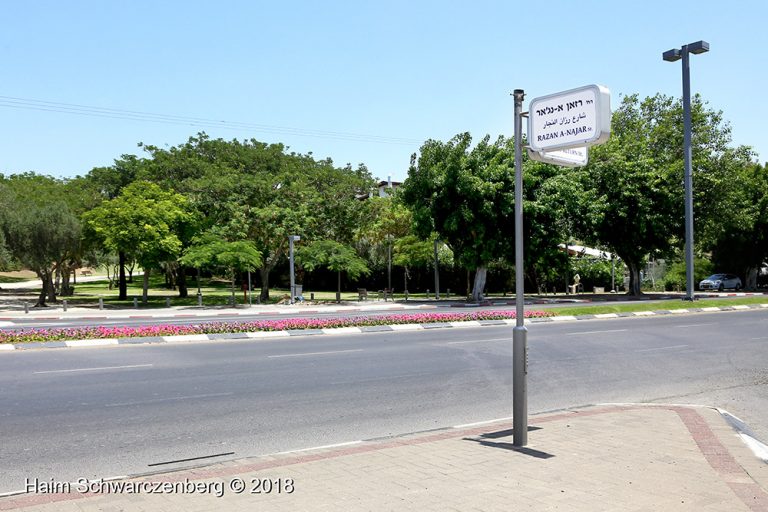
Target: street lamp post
520	332
437	273
389	263
291	239
672	56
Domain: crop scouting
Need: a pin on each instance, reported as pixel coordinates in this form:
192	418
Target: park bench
362	294
86	273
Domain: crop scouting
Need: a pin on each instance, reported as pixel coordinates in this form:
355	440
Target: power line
133	115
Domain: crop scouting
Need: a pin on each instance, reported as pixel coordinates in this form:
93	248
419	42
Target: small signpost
561	127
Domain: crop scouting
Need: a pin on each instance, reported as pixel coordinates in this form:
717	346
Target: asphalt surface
102	412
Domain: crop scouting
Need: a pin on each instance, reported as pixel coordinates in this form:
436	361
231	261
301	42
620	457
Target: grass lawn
215	292
11	279
657	306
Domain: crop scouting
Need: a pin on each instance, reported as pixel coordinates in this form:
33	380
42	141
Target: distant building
384	188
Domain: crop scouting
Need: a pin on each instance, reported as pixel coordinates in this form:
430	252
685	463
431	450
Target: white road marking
477	341
763	338
478	423
316	353
595	332
660	348
379	379
693	325
96	369
6	324
323	447
169	399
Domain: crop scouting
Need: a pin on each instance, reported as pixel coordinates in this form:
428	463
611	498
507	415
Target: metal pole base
520	386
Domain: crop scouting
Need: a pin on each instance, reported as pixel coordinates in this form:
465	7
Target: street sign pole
520	332
561	128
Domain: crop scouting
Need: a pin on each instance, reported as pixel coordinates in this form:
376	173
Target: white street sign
571	157
577	118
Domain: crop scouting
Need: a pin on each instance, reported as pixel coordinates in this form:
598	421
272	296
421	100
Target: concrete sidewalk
611	457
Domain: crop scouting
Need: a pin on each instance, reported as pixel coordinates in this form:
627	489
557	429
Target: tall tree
108	183
467	197
738	237
143	220
40	229
629	198
213	252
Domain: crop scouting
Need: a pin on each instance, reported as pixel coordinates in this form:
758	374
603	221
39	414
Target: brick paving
628	458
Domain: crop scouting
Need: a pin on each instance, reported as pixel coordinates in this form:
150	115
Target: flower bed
77	333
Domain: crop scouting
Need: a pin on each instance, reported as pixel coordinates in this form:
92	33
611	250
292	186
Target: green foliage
412	252
738	237
210	251
675	278
144	220
594	272
333	256
629	198
465	195
39	227
249	190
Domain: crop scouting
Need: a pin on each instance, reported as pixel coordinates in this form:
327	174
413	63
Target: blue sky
359	82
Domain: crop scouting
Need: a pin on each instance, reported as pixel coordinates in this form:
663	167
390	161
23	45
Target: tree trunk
122	285
43	289
57	280
145	290
469	285
51	288
233	288
479	286
338	288
181	280
751	279
634	278
66	289
264	295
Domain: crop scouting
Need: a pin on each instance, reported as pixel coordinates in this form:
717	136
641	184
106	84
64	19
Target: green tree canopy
629	198
465	196
145	221
212	251
40	229
254	191
334	256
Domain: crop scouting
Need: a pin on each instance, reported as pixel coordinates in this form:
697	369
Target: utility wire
133	115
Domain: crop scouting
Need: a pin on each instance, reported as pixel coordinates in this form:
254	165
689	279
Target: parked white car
721	282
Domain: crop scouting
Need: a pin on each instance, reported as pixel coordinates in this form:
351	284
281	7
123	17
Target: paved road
71	413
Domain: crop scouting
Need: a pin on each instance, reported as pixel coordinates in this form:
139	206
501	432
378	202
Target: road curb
186	338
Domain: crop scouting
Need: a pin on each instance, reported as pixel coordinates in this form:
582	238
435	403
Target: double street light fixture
672	56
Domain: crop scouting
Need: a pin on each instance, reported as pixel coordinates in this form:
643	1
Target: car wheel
720	288
738	287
